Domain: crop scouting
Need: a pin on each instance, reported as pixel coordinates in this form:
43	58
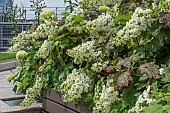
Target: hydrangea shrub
110	55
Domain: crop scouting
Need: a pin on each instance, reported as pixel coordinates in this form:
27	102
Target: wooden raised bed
53	103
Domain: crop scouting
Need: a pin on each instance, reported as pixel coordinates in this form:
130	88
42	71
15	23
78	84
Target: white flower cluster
33	92
98	90
76	84
84	52
43	31
107	96
44	50
21	55
103	23
140	20
98	66
161	71
19	42
142	101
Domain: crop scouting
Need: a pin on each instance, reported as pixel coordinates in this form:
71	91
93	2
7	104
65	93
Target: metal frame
23	22
6	35
29	15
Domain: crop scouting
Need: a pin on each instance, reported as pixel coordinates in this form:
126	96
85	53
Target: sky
49	3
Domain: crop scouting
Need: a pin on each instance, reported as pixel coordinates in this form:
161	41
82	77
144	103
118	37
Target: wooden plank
57	97
52	107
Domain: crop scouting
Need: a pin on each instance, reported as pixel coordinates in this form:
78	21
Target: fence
25	20
27	14
6	35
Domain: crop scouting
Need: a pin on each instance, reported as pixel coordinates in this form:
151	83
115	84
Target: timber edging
8	64
53	103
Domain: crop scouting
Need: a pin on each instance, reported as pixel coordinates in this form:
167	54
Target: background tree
13	14
37	6
71	5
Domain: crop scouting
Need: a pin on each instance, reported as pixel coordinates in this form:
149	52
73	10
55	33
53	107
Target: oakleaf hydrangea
45	49
104	23
33	92
143	99
105	98
77	83
140	21
84	52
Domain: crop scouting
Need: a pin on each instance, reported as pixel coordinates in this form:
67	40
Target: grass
6	56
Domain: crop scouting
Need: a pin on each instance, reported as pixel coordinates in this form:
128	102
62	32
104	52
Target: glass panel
2	3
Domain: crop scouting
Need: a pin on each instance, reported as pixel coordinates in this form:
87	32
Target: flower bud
21	55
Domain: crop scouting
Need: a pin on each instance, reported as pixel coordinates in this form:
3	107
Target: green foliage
71	5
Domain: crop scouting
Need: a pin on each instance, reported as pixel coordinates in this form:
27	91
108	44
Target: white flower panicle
84	52
140	21
98	90
45	49
103	23
77	83
161	71
33	92
143	99
19	42
105	98
43	31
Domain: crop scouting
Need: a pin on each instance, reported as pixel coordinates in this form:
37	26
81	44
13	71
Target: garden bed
53	103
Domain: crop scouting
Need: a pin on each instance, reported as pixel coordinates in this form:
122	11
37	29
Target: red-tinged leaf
124	62
108	69
110	76
164	17
123	80
151	70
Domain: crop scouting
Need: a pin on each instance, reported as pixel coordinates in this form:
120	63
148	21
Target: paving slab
7	93
6	88
9	60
